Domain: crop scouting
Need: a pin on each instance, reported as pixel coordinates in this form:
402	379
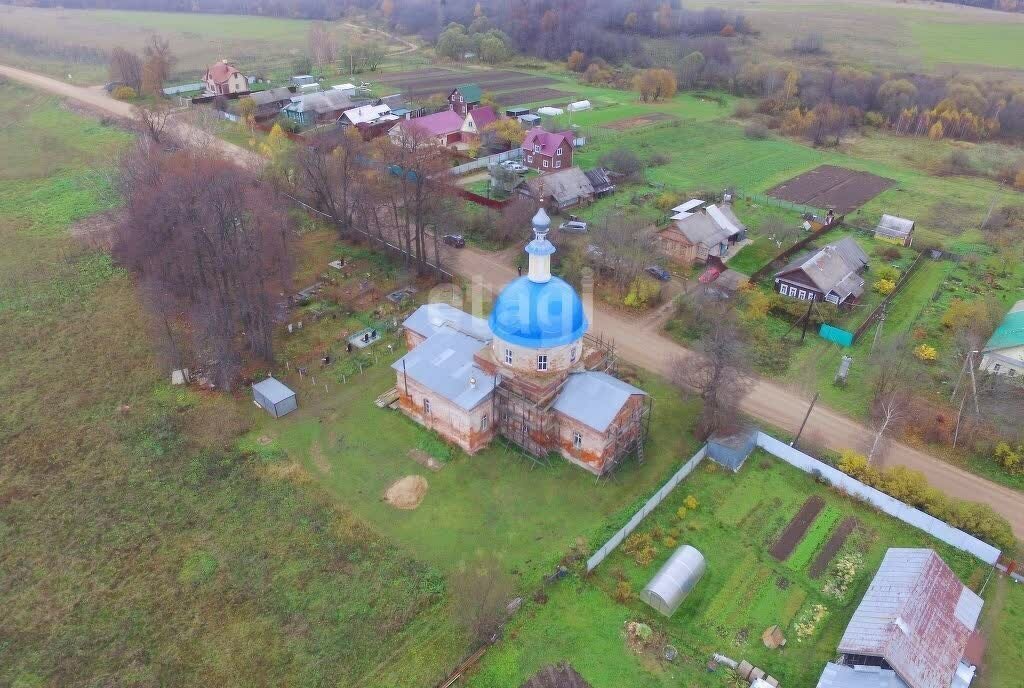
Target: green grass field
743	591
141	547
254	44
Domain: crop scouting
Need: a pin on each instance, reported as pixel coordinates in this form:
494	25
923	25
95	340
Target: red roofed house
223	78
476	120
912	628
545	151
443	128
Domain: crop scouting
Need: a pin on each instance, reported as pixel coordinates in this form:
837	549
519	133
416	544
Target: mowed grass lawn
496	501
743	592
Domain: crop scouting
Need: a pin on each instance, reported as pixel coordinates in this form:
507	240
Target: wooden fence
785	255
874	314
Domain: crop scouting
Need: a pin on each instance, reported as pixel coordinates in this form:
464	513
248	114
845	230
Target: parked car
577	226
454	240
658	273
514	166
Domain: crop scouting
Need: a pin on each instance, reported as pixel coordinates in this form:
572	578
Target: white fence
890	505
647	508
514	154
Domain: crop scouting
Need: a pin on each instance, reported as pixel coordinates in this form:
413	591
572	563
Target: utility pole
878	330
806	416
974	383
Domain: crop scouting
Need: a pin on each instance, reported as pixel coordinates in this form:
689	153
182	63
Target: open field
433	80
892	35
254	44
140	544
743	591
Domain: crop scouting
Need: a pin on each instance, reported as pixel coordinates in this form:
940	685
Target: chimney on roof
472	382
225	60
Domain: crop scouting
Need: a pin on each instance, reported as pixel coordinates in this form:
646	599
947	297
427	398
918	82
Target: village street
639	341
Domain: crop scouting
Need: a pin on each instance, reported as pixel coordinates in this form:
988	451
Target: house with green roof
1003	353
464	98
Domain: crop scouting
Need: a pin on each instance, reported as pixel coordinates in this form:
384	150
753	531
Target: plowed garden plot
828	186
640	121
797	527
531	95
832	547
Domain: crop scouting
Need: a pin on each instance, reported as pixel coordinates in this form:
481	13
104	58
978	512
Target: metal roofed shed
274	397
896	230
674	580
917	617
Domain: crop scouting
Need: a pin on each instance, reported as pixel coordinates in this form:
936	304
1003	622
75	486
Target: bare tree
210	244
155	120
482	593
322	48
156	68
889	403
126	67
625	247
330	168
719	370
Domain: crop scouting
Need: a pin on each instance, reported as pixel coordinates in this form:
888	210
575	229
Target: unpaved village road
639	341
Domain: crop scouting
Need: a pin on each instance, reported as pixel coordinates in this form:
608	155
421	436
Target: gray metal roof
709	226
273	390
917	615
429	318
323	102
565	186
674	580
594	398
893	226
833	267
271	95
840	676
443	363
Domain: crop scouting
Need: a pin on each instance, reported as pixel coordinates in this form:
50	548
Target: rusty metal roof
917	615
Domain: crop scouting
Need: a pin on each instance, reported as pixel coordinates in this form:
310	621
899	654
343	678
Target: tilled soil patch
793	533
832	547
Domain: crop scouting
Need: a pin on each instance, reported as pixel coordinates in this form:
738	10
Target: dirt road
639	340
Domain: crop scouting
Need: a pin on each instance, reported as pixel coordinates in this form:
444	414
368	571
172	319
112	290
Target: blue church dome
538	314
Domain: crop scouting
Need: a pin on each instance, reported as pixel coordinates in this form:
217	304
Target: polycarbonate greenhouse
674	581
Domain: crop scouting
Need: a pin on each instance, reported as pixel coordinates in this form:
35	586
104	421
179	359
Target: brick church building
529	373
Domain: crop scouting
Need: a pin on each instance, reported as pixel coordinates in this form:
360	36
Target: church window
426	405
577	439
542	362
572	355
485	422
508	356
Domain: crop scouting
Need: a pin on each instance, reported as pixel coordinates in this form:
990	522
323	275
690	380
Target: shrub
666	200
640	293
623	591
690	502
124	93
681	513
743	109
959	163
641	547
1009	459
670	542
888	252
888	272
926	353
657	533
756	131
884	286
1018	180
874	119
659	159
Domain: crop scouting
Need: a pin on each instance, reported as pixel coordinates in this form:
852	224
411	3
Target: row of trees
481	39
